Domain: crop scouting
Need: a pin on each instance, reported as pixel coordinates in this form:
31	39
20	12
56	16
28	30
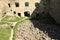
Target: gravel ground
33	30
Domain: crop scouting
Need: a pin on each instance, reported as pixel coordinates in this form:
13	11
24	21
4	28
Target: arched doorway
27	13
19	14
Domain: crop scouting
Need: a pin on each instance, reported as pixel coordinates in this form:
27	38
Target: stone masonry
10	8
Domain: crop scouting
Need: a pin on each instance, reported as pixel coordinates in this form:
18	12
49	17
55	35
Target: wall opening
27	13
4	12
17	4
11	10
9	5
19	14
26	4
14	12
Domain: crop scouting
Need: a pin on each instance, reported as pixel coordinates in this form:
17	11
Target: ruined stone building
18	7
23	8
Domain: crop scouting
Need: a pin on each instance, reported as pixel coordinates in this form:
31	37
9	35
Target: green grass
2	22
5	33
5	18
17	19
12	19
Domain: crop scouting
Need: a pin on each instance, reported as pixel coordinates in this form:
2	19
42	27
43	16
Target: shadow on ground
45	23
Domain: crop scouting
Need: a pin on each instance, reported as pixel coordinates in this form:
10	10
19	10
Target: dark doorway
27	14
19	14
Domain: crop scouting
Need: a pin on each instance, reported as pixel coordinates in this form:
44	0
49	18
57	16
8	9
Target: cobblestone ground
27	31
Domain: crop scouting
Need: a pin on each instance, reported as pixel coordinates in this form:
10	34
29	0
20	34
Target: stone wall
55	10
21	9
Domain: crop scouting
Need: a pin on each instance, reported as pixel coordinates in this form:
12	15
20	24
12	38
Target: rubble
27	31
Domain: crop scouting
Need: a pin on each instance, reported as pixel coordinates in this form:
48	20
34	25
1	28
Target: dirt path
11	36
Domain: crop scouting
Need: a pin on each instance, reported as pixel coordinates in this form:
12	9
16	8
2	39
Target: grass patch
11	18
4	22
5	33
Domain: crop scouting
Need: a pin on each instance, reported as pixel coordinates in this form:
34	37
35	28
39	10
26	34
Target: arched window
19	14
27	13
14	12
